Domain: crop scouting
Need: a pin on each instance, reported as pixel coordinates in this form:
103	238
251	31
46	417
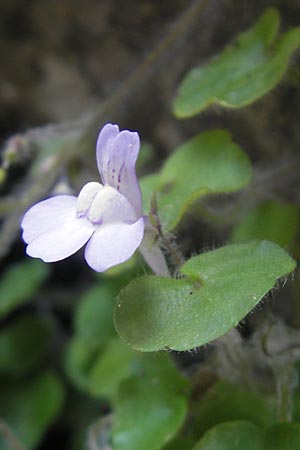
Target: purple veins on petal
108	218
117	153
104	141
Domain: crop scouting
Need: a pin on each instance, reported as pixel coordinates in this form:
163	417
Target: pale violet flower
108	218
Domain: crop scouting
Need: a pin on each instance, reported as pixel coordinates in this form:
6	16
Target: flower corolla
107	217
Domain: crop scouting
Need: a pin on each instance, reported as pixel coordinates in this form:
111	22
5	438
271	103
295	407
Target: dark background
64	62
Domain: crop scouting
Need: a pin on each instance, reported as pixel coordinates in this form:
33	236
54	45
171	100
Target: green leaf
296	400
224	402
78	360
150	407
274	221
219	288
239	435
180	443
208	163
24	345
19	283
246	70
95	360
113	365
242	435
93	314
30	407
283	436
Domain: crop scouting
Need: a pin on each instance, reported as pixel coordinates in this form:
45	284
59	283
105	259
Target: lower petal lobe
61	241
52	229
50	213
113	243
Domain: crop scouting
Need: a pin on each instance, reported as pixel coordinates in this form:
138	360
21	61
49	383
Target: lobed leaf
208	163
218	289
246	70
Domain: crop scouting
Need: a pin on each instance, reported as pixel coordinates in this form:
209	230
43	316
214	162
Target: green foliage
180	443
146	393
225	402
150	407
239	435
245	435
95	360
113	365
19	284
78	360
93	329
24	345
218	289
246	70
274	221
283	436
30	407
92	318
208	163
296	399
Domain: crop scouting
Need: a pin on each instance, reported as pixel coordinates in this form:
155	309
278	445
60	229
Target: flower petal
111	206
116	157
48	214
61	241
106	136
52	229
113	244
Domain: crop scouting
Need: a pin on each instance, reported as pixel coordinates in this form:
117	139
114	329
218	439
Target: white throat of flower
104	204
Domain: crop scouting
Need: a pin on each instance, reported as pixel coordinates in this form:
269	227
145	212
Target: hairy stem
286	382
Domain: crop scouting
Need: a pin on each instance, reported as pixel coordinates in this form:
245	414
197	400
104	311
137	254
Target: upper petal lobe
116	156
105	138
